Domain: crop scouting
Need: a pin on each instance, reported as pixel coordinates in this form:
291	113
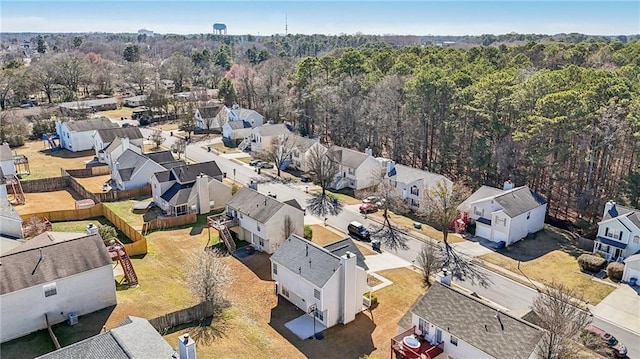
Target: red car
368	208
619	350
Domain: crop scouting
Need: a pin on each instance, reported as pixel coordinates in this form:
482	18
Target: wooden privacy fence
166	222
76	186
115	196
139	245
188	315
43	185
89	172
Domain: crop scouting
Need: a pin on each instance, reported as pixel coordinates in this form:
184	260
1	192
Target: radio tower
286	26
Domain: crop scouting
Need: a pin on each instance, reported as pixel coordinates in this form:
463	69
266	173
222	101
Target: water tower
220	29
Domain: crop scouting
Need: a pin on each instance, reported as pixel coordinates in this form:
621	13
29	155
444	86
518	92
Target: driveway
622	307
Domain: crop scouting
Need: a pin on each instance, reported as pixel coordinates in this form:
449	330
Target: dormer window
415	191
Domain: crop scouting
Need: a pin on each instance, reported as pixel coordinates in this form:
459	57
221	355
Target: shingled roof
254	204
621	211
474	322
22	267
5	153
108	135
101	123
518	201
347	157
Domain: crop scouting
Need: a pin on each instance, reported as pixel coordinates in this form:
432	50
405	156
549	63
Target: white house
357	170
167	84
464	327
195	188
11	221
77	136
74	107
244	114
262	137
211	117
303	147
54	274
263	220
506	215
133	170
412	183
135	101
333	278
618	232
7	163
103	138
116	148
632	268
236	130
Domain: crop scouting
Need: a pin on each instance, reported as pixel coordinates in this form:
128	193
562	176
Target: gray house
133	170
103	138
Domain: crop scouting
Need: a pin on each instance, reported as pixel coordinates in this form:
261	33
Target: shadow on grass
546	241
259	264
207	330
349	341
63	153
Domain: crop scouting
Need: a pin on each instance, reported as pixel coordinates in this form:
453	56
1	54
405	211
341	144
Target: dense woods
559	115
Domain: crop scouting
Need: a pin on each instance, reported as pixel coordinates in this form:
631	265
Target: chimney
125	143
610	208
508	185
187	347
91	229
368	151
444	277
202	186
349	288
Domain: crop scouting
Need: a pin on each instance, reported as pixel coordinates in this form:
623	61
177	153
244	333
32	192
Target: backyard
45	163
551	256
46	201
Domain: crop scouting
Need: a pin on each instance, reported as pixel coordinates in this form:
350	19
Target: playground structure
22	165
459	224
118	252
16	197
51	140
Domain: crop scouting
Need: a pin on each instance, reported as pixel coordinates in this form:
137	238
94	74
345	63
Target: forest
561	116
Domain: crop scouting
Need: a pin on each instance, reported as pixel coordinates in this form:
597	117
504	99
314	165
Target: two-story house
357	170
618	232
302	149
77	136
133	170
262	137
195	188
505	216
328	281
462	326
211	117
264	221
412	183
102	139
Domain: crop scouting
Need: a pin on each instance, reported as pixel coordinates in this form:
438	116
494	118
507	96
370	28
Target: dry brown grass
44	163
325	235
552	256
426	230
221	148
46	201
94	184
117	113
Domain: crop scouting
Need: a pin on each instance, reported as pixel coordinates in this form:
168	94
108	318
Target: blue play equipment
51	139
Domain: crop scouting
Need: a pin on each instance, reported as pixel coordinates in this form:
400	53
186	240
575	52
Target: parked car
618	349
357	230
368	208
305	178
370	199
265	165
254	162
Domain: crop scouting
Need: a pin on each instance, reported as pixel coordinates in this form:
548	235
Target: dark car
264	165
254	162
305	178
357	230
618	349
368	208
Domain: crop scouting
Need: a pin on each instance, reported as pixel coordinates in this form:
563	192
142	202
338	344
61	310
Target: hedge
591	263
615	270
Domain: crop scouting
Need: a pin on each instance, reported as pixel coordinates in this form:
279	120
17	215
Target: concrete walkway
621	307
385	281
383	261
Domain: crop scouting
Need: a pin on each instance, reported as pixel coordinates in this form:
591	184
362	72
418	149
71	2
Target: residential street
512	296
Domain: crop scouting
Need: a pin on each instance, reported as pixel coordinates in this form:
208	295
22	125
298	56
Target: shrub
308	232
615	270
374	298
591	263
234	189
107	232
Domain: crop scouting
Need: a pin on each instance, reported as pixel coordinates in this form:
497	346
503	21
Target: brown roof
209	111
61	256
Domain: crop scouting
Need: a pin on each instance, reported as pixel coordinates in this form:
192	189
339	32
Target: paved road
512	296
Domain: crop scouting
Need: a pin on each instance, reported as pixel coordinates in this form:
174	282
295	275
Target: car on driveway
357	230
370	199
254	162
264	165
368	208
617	349
305	178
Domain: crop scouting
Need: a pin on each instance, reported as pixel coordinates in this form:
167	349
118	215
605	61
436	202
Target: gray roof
347	157
101	123
210	111
631	213
108	135
134	338
519	200
304	143
178	194
5	153
475	323
247	114
160	157
272	130
310	261
136	98
130	159
89	103
188	173
481	193
343	246
406	174
21	267
254	204
236	125
7	212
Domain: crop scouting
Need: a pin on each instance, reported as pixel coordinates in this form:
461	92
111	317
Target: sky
452	17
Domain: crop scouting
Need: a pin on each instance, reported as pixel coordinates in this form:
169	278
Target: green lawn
81	227
124	210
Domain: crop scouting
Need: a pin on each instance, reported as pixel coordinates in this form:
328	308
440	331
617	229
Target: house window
636	239
352	171
285	292
612	234
319	315
453	340
477	212
261	241
415	191
316	294
423	325
258	227
50	289
275	268
528	214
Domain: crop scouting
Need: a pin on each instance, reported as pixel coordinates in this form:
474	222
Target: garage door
630	272
482	230
499	236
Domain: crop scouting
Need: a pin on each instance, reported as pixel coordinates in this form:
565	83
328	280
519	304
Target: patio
409	344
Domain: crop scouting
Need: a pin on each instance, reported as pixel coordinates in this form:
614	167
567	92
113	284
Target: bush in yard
615	270
107	232
591	263
308	232
374	298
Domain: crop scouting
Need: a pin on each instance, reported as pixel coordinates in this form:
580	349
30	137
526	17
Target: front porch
409	344
609	249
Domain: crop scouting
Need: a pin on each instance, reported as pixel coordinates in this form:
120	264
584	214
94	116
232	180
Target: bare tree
440	208
323	169
72	71
209	276
179	147
44	77
561	311
430	260
157	138
138	74
179	68
281	149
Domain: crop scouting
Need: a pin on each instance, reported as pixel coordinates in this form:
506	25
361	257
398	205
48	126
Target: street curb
616	324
